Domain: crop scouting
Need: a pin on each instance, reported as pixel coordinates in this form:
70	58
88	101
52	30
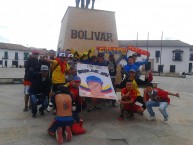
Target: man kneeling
63	119
128	99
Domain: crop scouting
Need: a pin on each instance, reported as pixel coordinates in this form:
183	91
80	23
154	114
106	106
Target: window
26	55
16	56
160	68
191	57
6	55
157	54
172	68
177	55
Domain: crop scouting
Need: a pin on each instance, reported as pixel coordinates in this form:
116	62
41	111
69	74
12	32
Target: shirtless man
63	119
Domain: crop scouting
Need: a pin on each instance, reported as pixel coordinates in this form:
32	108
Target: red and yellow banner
113	50
121	50
138	50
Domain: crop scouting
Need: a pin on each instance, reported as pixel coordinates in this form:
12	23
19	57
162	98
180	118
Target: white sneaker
152	118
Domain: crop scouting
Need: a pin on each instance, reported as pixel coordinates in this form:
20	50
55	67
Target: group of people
52	82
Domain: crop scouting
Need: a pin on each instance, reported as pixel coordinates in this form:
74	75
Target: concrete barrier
11	80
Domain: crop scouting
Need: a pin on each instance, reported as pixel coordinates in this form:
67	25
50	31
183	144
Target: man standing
130	65
32	65
82	3
88	2
139	63
159	98
39	90
59	68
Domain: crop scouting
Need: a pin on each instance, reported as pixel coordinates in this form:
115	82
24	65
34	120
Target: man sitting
39	90
127	102
63	119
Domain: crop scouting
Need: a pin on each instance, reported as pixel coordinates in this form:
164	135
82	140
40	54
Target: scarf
62	65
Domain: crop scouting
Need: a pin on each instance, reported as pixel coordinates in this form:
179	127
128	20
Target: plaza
103	128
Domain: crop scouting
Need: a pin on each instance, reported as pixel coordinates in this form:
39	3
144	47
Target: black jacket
31	66
38	86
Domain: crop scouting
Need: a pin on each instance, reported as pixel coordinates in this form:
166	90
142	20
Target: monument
83	29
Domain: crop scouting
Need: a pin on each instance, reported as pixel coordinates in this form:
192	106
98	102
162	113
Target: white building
13	55
167	56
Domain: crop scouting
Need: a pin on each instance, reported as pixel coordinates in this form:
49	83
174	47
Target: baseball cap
132	70
44	68
36	52
70	55
62	54
94	79
76	78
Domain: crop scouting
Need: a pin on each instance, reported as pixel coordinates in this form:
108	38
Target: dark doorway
190	67
5	63
15	63
160	68
172	68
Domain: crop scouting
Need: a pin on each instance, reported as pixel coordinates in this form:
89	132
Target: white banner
95	82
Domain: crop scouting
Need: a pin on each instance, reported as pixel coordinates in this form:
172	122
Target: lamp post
161	53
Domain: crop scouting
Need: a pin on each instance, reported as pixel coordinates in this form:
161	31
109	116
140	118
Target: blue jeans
60	122
38	100
162	107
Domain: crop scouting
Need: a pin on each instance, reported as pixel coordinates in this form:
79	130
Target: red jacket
75	92
163	95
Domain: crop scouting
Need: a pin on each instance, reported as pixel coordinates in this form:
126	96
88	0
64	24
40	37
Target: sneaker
152	118
33	115
25	109
41	112
59	137
165	119
68	133
120	118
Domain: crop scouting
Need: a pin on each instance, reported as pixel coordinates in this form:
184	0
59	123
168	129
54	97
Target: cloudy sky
36	23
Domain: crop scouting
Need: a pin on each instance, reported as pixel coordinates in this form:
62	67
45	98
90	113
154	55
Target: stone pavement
19	128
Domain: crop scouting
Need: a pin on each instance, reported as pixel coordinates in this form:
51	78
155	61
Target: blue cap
76	78
94	79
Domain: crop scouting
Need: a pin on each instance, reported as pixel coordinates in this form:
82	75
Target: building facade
167	56
13	55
